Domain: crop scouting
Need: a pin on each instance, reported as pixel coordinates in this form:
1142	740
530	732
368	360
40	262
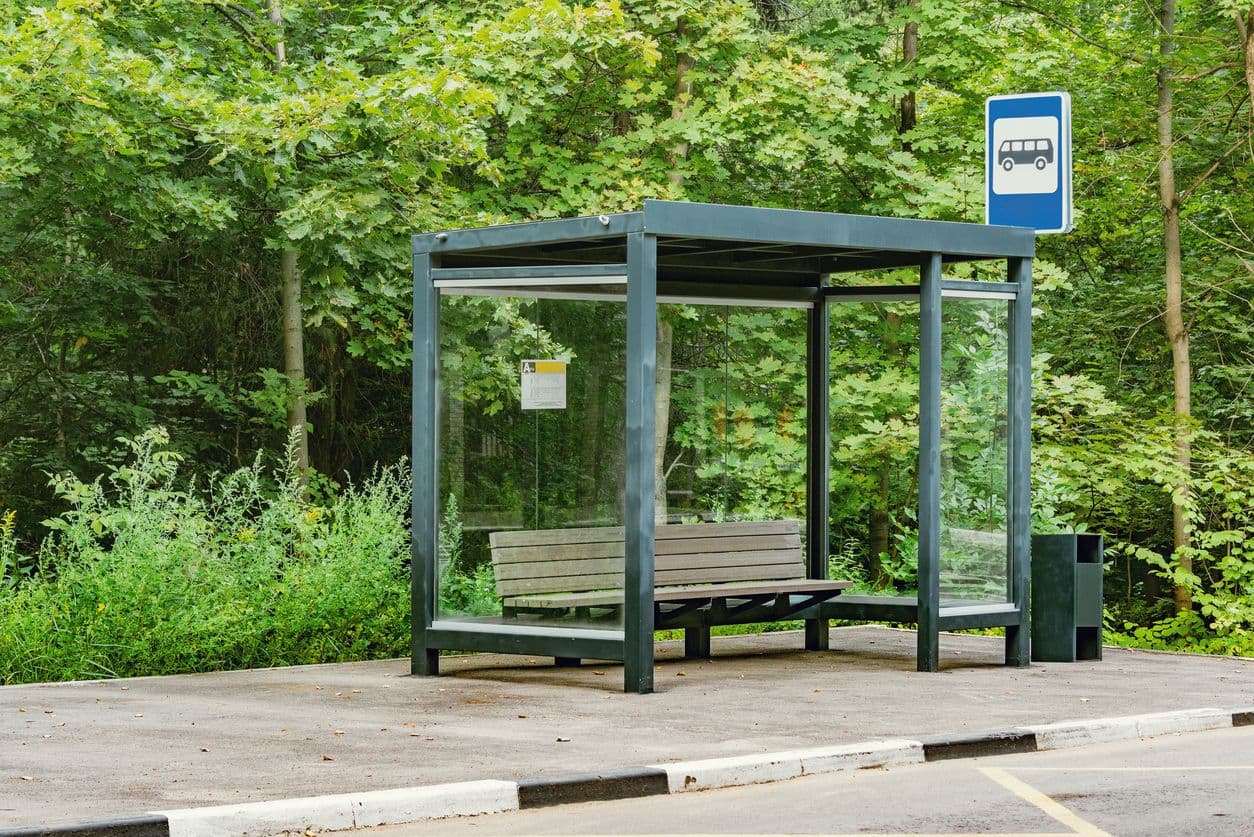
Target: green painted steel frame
768	257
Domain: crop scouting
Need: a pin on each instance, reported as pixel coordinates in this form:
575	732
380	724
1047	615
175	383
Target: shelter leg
697	642
817	634
426	663
1018	650
928	649
567	662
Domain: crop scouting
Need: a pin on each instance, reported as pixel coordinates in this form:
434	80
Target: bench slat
680	594
535	553
601	534
661	578
590	566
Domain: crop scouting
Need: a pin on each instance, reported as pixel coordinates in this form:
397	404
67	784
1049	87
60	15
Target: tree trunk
665	331
662	417
683	94
909	52
1177	330
293	319
881	517
588	494
294	361
1245	28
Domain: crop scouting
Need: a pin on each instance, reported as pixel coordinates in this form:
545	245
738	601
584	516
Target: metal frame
733	255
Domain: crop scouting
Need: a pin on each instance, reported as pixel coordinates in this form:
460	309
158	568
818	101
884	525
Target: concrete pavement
112	748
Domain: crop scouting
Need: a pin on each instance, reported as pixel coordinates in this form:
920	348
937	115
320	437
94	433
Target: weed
142	576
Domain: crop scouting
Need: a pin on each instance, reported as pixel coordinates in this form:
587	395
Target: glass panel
974	475
766	413
732	403
692	413
874	392
531	447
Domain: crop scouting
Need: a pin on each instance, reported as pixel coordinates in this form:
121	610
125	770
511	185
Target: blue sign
1027	161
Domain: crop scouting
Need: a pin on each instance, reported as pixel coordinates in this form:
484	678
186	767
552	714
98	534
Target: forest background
204	258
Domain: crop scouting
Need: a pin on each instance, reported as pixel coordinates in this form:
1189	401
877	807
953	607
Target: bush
141	577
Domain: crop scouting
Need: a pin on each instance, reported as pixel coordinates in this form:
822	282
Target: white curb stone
344	811
857	756
1081	733
730	772
773	767
1196	720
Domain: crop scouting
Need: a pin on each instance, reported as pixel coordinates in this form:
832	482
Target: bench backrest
580	560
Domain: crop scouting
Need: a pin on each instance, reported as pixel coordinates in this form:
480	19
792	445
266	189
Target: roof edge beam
530	233
823	229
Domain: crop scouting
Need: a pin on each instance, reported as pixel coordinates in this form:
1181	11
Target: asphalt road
1200	783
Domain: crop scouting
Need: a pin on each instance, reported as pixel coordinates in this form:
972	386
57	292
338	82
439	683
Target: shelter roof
699	242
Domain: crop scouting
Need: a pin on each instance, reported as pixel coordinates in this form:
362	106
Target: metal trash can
1066	598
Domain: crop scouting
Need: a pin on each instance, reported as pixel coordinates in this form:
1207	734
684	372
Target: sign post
1027	161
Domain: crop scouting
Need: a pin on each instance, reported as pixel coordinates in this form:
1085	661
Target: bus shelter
683	416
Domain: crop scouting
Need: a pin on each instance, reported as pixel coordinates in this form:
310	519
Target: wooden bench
705	574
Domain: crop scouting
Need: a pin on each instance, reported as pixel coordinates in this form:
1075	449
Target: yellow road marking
1130	769
1030	794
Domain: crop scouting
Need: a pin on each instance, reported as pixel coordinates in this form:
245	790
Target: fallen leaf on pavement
325	757
599	673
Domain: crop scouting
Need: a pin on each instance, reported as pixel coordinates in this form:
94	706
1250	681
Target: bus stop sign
1027	161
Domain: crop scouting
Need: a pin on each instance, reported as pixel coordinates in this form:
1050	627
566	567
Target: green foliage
467	591
14	566
140	576
153	162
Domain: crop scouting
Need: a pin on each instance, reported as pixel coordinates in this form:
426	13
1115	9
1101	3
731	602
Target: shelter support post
929	463
641	432
818	432
1018	651
424	555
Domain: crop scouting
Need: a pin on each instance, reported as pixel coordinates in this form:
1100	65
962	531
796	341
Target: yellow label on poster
543	385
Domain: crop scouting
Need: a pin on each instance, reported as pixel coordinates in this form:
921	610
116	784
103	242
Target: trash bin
1066	598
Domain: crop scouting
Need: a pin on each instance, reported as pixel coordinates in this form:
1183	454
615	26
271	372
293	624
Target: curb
407	805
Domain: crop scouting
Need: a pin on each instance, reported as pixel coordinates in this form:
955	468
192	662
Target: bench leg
817	634
566	662
697	643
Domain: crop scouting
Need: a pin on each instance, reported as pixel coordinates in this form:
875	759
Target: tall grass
143	576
